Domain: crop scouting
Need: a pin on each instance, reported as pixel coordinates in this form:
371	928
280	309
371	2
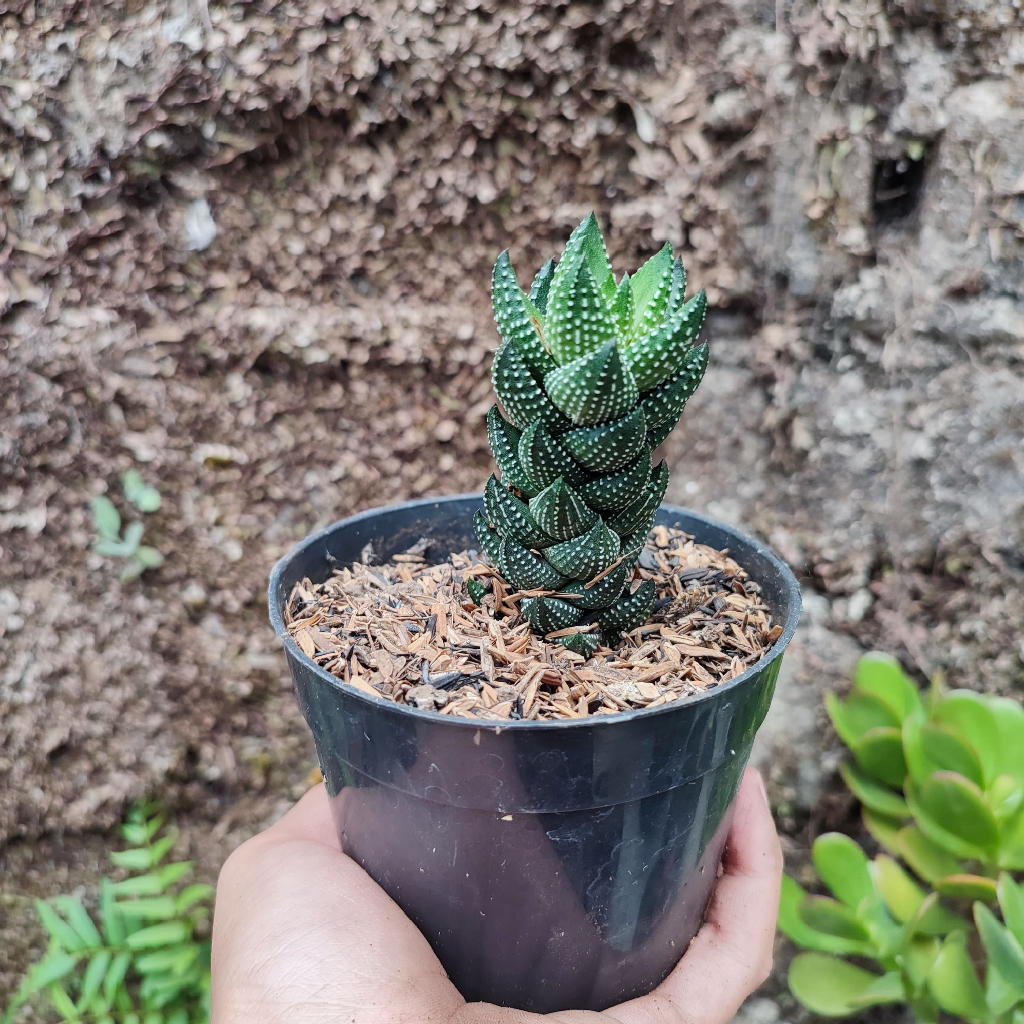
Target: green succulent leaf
904	899
1000	995
604	592
657	435
512	517
630	610
651	286
951	811
831	917
831	987
873	796
609	446
504	441
793	925
1009	716
969	717
882	675
578	321
560	512
143	496
660	355
942	749
843	867
106	517
929	860
581	643
476	590
1011	903
860	712
641	513
512	314
490	539
594	388
616	491
883	829
527	571
523	398
665	403
879	753
547	614
622	309
966	886
677	292
149	558
582	558
544	459
541	286
954	984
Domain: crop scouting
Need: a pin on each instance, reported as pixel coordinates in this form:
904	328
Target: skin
303	935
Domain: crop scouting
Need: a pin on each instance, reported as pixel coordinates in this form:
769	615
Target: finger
732	953
309	819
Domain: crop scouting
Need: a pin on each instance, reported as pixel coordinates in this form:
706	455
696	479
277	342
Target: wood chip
409	632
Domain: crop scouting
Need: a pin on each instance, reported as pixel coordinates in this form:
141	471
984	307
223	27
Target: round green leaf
970	716
792	924
971	887
832	918
106	517
882	829
954	984
843	867
1009	717
1011	903
827	985
879	752
951	811
1004	951
860	712
929	860
873	796
948	751
906	900
882	675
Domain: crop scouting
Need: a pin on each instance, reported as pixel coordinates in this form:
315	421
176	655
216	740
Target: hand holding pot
302	934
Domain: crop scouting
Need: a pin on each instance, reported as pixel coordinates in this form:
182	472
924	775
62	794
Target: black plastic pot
551	865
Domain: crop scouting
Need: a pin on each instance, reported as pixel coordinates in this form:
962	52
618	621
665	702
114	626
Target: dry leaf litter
409	632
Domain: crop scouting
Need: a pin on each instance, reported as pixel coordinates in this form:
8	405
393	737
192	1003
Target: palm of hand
303	935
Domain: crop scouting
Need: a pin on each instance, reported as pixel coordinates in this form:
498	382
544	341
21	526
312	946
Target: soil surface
246	249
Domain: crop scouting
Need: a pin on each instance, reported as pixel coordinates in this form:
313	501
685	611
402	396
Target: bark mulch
409	632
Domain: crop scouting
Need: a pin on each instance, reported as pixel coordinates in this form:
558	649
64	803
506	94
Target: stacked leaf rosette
591	376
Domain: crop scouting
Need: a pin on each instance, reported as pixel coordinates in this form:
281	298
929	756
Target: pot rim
776	650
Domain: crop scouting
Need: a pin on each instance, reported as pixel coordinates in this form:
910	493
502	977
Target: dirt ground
246	249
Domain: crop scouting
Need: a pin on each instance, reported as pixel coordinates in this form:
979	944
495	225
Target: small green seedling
138	961
143	496
941	778
138	556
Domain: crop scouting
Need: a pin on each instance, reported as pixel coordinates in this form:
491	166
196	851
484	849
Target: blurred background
246	251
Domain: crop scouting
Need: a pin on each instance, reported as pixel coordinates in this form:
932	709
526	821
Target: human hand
303	935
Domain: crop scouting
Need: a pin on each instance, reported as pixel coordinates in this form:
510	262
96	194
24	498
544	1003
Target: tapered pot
551	864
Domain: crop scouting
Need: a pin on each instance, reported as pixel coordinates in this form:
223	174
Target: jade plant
591	376
941	779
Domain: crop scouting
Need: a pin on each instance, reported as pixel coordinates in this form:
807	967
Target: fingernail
764	792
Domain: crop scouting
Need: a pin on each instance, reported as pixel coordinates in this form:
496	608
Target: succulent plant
940	775
591	376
